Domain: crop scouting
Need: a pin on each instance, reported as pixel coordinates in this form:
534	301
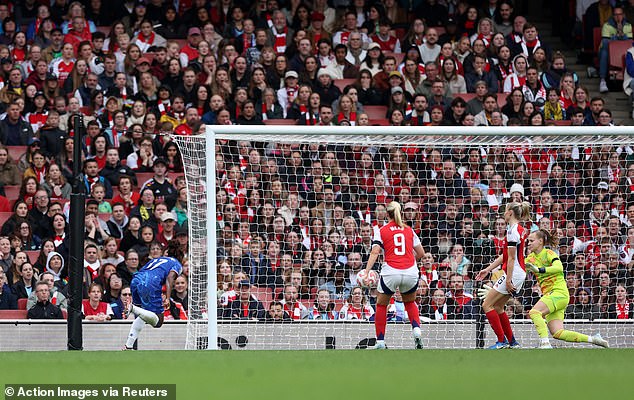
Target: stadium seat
466	96
565	122
379	121
375	112
342	83
399	56
15	152
596	38
501	99
104	216
142	177
400	33
33	255
13	314
617	51
181	42
4	216
85	110
264	294
280	122
12	192
22	303
105	29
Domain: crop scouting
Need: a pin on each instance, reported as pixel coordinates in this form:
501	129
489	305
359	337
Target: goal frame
451	135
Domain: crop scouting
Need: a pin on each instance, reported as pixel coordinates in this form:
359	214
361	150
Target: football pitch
335	374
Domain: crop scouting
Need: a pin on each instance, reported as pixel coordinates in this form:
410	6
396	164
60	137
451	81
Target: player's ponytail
525	213
521	211
394	212
550	239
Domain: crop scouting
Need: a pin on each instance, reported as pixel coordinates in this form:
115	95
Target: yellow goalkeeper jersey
553	279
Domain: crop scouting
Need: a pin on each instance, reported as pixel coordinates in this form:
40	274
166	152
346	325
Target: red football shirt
398	245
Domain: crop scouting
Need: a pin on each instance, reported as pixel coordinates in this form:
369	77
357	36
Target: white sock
544	341
135	330
590	338
148	316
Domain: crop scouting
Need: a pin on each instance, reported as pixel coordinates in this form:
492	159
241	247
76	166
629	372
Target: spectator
616	28
53	297
356	307
93	308
583	308
244	306
438	309
8	300
276	313
43	308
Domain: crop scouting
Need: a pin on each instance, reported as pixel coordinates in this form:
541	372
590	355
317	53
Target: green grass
472	374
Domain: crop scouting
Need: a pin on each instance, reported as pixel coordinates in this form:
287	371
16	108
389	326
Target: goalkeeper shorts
556	303
519	276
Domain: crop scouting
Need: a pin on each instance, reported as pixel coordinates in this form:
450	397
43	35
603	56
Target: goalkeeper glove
483	291
533	268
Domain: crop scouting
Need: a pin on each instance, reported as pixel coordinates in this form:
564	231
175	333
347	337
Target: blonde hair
394	212
521	211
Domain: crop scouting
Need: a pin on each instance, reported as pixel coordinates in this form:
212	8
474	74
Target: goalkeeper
544	263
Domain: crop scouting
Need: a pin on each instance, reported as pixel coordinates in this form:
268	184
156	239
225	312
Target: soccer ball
367	280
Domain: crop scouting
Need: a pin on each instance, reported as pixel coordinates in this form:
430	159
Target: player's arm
555	266
419	251
511	250
374	255
169	283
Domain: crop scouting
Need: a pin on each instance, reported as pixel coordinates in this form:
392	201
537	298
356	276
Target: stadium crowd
296	222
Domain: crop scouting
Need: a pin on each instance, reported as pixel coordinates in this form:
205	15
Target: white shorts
519	276
405	280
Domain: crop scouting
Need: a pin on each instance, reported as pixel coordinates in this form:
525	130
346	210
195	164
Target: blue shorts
146	292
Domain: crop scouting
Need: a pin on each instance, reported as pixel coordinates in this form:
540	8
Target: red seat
617	50
105	29
142	177
85	110
466	96
379	121
12	192
264	294
565	122
104	216
15	152
280	122
400	33
398	56
375	112
596	38
181	42
22	303
4	216
13	314
342	83
33	255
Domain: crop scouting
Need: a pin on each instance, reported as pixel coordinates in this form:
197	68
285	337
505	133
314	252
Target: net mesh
295	216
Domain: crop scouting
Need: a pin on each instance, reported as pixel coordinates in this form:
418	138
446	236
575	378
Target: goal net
280	231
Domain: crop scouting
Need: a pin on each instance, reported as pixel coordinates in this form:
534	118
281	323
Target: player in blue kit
146	287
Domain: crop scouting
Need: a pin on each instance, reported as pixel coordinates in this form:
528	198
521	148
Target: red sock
413	314
380	320
494	321
506	326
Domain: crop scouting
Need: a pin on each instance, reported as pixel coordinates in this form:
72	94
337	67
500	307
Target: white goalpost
260	222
